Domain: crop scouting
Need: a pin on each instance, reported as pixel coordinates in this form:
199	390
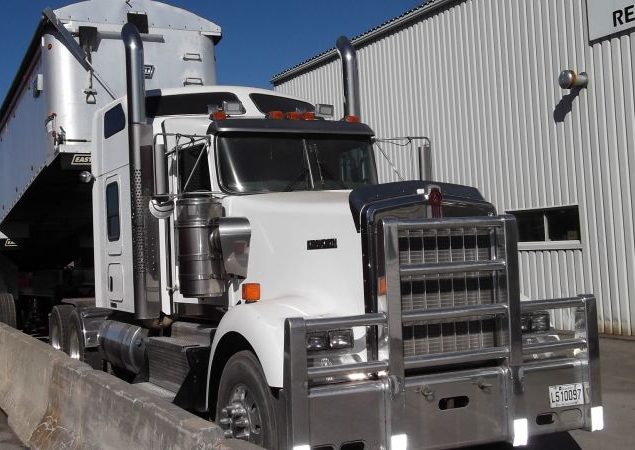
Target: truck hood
326	280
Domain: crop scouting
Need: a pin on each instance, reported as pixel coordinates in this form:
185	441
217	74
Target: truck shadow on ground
559	441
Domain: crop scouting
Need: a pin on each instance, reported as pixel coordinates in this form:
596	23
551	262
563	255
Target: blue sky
260	38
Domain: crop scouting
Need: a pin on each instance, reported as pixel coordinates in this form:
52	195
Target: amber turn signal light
251	292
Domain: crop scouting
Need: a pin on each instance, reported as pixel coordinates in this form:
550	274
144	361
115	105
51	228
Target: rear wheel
8	313
77	345
59	326
246	407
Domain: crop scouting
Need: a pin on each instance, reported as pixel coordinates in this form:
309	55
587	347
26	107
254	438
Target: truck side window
112	212
193	166
114	121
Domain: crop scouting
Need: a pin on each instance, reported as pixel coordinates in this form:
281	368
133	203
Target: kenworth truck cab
250	268
249	264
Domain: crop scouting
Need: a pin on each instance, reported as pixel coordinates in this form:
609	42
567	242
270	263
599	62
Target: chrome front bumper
442	409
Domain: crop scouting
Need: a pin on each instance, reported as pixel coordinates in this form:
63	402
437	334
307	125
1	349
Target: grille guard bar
300	379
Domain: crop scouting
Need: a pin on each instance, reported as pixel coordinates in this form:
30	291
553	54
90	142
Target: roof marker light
276	115
218	115
352	119
308	115
294	115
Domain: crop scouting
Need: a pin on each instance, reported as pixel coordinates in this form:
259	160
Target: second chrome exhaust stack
350	74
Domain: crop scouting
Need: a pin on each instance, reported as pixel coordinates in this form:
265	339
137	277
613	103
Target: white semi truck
230	249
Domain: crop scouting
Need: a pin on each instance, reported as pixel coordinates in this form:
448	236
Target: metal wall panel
479	77
553	274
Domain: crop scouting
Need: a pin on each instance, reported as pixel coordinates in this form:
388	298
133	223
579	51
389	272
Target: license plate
566	395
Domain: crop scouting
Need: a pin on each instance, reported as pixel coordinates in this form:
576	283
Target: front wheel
246	407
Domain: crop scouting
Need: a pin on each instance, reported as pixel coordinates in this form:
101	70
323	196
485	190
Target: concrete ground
618	394
8	441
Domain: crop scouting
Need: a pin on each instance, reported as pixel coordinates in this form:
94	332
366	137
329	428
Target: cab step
179	365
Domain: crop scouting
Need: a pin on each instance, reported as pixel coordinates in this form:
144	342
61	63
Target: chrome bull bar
388	382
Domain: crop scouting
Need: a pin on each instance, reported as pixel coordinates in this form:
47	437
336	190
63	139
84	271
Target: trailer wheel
59	326
246	408
77	344
8	313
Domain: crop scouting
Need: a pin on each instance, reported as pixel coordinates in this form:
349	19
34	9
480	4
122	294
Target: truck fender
260	326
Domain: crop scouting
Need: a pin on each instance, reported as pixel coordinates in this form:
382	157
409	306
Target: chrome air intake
350	73
145	229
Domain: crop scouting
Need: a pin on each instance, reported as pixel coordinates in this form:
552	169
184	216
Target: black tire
59	326
243	372
8	314
77	345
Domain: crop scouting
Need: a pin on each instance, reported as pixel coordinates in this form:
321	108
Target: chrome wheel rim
241	418
73	345
56	339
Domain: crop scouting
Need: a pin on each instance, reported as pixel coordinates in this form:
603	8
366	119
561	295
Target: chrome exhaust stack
350	74
145	229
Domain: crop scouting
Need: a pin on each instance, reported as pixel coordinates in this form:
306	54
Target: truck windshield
274	163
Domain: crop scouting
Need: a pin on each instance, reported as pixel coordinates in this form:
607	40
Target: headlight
537	322
329	340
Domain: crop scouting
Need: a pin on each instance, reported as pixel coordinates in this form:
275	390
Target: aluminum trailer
73	67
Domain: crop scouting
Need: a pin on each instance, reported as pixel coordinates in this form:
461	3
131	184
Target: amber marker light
294	116
218	115
276	115
352	119
251	292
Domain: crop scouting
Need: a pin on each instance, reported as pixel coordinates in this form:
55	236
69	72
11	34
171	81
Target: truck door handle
110	283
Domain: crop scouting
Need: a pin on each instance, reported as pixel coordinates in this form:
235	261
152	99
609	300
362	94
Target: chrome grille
432	247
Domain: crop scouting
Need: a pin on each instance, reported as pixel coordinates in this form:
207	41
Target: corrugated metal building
480	79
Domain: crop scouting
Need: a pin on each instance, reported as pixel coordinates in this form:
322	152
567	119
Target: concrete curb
55	402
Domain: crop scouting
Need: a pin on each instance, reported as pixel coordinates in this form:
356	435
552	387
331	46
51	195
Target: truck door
115	280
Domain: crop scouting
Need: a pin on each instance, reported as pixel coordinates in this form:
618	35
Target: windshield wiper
290	187
325	171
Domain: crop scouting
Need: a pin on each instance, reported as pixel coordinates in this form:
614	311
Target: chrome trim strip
347	369
514	329
296	383
453	222
420	315
329	323
594	380
546	347
413	270
397	372
443	359
538	305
